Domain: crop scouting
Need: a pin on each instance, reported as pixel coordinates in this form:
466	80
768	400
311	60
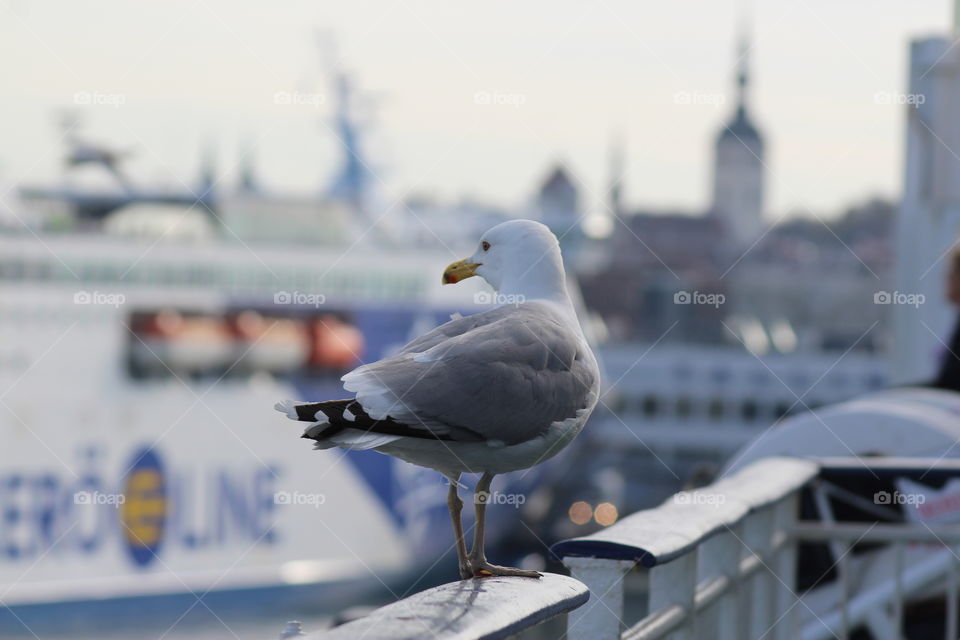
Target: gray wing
453	329
505	374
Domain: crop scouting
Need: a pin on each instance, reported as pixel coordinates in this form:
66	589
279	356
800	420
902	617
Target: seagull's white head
518	257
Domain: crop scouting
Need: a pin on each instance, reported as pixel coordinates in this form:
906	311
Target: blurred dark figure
949	375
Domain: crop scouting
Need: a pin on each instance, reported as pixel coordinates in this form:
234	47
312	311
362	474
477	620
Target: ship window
649	406
684	407
715	409
781	409
749	410
201	345
720	375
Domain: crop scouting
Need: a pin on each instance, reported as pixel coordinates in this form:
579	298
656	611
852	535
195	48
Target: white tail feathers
288	407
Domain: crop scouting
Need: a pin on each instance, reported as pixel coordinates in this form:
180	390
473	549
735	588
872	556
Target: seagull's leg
455	504
478	559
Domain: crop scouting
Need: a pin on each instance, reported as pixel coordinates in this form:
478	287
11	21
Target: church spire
741	124
743	74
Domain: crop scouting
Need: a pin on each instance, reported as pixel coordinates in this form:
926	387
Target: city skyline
199	75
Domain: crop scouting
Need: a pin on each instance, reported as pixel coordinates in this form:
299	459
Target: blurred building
650	257
557	205
558	200
806	284
738	170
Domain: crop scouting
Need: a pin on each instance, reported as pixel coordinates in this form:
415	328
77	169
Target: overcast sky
566	78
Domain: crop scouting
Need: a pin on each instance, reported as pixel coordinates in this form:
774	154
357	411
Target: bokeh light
580	512
606	514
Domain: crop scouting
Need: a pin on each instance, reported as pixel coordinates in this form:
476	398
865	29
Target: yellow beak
460	270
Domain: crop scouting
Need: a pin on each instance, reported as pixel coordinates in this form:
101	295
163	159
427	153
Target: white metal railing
721	561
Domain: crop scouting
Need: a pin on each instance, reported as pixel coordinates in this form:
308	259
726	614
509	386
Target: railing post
844	568
675	584
719	557
786	568
601	618
898	588
758	538
951	622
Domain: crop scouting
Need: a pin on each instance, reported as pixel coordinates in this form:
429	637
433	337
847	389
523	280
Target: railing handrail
477	609
656	536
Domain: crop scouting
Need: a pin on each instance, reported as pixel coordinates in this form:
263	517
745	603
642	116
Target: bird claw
486	570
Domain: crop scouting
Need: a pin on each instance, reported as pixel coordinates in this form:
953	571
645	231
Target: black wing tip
307	411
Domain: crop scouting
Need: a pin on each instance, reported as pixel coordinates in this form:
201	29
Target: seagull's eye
485	245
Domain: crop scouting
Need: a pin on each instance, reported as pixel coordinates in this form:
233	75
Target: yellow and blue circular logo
143	514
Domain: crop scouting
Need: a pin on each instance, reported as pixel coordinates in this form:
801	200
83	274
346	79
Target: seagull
494	392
